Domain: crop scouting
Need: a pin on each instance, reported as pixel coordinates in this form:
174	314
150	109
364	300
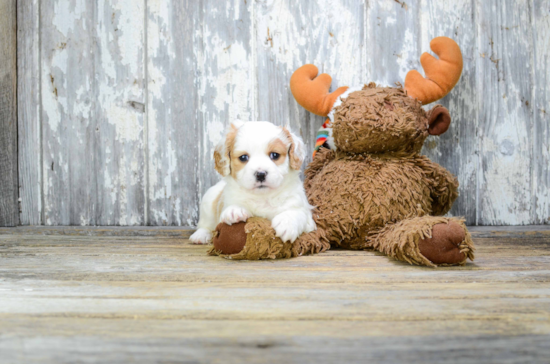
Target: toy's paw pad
230	239
201	236
234	214
285	227
444	245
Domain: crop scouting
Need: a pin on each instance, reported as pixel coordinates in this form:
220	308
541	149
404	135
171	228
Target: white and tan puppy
260	164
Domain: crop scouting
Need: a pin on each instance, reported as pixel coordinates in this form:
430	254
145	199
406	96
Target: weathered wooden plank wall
9	209
122	102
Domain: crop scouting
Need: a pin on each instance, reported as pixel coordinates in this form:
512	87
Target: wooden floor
146	295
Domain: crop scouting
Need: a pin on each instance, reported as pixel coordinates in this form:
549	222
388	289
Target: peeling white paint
408	52
130	33
128	125
227	81
49	104
157	80
215	132
65	13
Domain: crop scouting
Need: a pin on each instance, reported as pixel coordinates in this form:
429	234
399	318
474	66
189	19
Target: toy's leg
256	239
427	240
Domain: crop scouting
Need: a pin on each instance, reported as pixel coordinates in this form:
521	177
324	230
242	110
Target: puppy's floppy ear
221	159
222	153
297	149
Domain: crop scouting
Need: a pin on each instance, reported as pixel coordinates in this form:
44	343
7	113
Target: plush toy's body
384	198
371	187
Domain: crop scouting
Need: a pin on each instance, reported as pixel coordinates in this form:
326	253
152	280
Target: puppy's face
259	155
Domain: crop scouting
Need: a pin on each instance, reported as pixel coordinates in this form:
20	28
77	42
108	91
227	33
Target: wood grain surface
9	206
28	112
144	297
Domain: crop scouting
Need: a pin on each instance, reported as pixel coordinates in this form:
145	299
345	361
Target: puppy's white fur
240	194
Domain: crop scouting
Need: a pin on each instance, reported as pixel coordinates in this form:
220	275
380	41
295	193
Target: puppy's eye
243	158
274	156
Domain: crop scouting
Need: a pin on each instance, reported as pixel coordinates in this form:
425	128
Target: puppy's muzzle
260	176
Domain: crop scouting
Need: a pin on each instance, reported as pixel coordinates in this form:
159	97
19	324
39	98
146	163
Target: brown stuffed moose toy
371	187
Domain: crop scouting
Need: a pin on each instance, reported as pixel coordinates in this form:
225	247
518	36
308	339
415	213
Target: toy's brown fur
380	120
377	191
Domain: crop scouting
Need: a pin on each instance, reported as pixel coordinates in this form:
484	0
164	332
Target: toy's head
373	119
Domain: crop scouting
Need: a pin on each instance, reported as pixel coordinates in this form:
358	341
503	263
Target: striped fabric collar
322	135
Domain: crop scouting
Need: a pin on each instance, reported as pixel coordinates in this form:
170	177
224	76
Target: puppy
260	164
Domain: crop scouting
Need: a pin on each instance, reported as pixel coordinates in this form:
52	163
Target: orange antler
441	74
311	92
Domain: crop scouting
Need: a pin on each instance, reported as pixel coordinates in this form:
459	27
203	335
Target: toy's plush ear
296	151
441	74
222	153
311	91
439	120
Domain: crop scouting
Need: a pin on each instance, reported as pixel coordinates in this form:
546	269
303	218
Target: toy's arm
443	185
321	159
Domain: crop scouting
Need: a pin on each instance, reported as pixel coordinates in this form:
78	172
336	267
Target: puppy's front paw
286	227
201	236
234	214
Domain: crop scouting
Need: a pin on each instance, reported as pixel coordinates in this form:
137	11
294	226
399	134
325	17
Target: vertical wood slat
541	112
67	116
119	66
173	46
504	77
93	105
28	112
457	149
9	209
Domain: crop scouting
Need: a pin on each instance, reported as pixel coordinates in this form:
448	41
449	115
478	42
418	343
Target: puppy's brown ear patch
222	153
220	162
439	120
295	160
296	152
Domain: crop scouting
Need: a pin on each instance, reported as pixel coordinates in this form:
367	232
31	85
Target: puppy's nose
260	176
